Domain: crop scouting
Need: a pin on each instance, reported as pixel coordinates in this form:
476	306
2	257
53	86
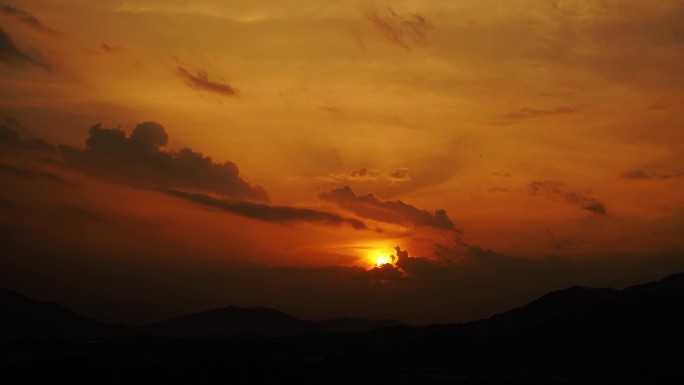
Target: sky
428	161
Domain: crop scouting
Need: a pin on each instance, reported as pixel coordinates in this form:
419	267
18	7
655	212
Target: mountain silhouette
347	324
545	308
577	335
232	320
578	314
26	317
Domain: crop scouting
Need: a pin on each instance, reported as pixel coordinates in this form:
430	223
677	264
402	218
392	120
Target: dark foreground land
577	336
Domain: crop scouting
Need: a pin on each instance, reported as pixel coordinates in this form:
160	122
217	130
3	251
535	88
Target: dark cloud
561	190
399	175
369	174
332	109
11	140
360	173
11	55
528	113
364	174
139	160
397	212
200	80
111	48
646	175
105	49
418	267
27	19
267	213
27	173
399	30
559	243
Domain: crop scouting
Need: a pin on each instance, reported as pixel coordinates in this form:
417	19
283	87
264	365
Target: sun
380	257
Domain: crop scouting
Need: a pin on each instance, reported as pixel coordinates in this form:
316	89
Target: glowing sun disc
380	258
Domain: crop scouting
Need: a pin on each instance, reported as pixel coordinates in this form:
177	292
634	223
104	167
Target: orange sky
537	131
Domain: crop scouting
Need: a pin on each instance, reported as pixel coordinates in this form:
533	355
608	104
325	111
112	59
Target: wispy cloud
402	31
27	19
200	80
529	113
556	189
397	212
11	55
268	213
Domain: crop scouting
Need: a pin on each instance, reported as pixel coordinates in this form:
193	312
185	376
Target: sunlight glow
380	257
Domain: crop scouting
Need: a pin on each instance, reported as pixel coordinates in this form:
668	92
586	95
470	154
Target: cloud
558	189
267	213
332	109
418	267
27	173
399	30
27	19
138	159
104	49
370	174
399	175
397	212
646	175
528	113
363	174
200	80
10	140
11	55
111	48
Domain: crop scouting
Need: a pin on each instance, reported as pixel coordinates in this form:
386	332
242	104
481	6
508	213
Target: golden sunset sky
267	153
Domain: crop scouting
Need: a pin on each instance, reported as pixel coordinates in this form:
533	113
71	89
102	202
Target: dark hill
547	307
26	317
232	321
577	314
346	324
